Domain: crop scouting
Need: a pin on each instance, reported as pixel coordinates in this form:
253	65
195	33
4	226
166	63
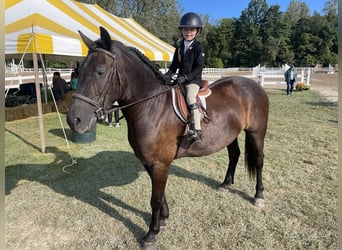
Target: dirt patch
326	85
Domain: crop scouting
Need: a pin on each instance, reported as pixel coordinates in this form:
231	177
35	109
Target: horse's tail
250	156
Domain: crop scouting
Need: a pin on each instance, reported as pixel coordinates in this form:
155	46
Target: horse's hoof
148	245
259	202
223	188
162	226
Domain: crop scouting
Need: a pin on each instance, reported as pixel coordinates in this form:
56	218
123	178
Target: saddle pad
179	104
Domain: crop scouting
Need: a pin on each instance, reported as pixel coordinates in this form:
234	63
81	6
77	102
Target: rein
139	101
100	111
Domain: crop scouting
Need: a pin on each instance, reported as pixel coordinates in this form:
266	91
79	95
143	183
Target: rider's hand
167	76
181	79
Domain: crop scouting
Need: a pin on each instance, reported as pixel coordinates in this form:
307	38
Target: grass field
102	202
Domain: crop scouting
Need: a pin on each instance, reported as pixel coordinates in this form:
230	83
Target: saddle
180	106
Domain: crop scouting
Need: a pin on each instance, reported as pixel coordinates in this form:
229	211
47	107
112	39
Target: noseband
100	112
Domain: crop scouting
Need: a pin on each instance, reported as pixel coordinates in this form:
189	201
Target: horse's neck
148	96
140	84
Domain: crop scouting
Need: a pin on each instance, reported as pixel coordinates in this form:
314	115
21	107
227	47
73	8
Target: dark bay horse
113	72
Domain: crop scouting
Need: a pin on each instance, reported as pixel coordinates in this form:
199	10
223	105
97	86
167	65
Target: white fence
26	75
271	75
16	75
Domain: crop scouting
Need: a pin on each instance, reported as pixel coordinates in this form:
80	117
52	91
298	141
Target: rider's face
189	34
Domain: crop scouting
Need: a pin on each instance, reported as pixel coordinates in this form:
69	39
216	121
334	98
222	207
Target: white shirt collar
187	45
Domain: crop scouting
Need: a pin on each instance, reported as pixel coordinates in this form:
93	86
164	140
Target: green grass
102	202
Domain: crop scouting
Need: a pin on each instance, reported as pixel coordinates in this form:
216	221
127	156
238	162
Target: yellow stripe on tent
83	16
147	52
10	3
41	21
74	15
40	43
166	55
84	48
120	21
79	18
159	43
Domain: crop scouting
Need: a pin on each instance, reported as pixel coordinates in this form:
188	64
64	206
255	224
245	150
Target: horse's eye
101	72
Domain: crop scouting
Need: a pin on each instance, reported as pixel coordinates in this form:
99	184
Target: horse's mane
140	55
149	63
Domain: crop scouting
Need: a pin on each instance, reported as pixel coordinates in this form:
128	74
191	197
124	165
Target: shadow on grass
85	180
324	103
59	132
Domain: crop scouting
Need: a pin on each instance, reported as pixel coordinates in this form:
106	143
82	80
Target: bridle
100	110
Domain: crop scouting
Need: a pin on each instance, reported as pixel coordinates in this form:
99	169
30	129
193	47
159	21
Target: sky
218	9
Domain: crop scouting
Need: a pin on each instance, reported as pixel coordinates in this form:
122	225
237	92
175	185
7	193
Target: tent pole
44	79
39	102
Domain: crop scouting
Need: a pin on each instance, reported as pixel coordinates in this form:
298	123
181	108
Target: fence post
308	77
261	79
20	81
302	76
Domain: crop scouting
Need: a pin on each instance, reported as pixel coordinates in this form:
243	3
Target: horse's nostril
77	121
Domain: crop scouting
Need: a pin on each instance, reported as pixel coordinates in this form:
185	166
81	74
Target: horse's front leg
164	213
160	211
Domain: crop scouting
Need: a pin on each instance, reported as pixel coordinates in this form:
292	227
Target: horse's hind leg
255	162
233	153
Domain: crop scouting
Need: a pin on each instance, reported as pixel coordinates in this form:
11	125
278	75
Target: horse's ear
105	38
90	43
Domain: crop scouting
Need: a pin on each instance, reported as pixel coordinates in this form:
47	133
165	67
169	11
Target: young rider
189	59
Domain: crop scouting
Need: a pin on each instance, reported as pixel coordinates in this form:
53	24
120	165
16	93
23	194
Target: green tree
160	17
218	43
305	43
248	46
330	7
296	10
314	38
275	33
325	32
261	35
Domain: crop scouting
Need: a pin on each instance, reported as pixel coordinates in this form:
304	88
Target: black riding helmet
191	20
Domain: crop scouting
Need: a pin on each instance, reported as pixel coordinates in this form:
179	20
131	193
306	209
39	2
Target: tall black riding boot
193	133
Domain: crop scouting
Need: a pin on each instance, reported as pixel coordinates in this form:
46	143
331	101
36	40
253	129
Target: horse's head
97	85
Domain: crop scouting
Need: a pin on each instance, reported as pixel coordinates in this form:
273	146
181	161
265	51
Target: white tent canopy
54	25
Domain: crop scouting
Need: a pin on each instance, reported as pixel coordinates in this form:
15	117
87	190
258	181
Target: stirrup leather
193	106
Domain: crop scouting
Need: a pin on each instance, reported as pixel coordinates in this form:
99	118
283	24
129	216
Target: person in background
73	80
60	86
290	79
189	59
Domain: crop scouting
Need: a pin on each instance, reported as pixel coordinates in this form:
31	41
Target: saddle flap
179	102
204	91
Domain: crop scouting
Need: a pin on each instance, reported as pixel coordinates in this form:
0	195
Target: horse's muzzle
81	124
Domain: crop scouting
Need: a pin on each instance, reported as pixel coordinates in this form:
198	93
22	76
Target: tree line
262	34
